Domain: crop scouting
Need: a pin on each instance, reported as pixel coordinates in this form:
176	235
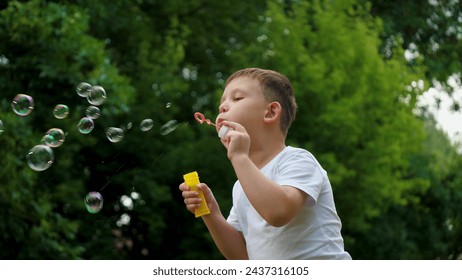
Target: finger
203	187
206	191
183	187
192	207
225	141
230	124
190	194
192	201
234	126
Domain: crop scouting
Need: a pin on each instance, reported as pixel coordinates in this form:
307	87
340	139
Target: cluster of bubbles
95	95
41	156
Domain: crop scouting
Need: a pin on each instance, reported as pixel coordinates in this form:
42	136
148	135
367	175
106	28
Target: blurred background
359	69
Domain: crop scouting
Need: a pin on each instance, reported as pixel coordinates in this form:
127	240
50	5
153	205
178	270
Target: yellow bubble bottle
192	180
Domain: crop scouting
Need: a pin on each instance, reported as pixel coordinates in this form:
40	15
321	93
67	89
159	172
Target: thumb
205	190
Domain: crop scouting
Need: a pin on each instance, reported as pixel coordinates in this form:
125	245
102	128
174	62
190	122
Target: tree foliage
429	30
394	174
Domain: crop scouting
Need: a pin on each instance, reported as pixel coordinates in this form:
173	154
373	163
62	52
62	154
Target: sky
448	120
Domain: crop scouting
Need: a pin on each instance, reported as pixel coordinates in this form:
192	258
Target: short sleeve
299	169
233	219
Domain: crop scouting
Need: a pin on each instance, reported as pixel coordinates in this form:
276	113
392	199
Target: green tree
45	54
164	60
429	30
428	225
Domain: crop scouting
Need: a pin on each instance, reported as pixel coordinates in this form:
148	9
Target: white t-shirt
315	231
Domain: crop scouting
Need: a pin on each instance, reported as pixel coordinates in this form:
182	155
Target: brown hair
276	87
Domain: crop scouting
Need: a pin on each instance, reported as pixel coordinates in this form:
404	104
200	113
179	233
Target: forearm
229	241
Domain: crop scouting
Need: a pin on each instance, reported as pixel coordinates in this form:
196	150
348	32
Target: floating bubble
114	134
60	111
146	124
22	104
85	125
168	105
54	137
169	127
40	157
124	220
135	195
129	125
2	128
127	202
96	95
93	112
93	202
82	89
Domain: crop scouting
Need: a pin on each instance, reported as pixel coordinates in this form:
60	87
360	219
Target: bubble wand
201	119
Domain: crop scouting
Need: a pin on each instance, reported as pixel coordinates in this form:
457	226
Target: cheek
250	116
247	112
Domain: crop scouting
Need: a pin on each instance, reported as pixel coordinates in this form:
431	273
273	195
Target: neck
262	153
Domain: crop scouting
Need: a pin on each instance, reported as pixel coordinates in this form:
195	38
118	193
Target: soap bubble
85	125
40	157
93	202
114	134
22	104
127	202
129	125
169	127
54	137
168	105
135	195
93	112
82	89
60	111
96	96
2	128
146	124
124	220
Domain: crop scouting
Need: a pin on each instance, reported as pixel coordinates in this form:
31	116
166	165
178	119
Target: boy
283	206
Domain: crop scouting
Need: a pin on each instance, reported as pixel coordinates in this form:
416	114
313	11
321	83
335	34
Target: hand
192	200
236	140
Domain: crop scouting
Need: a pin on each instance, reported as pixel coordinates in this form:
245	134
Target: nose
223	107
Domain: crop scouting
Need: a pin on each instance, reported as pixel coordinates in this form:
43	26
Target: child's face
243	102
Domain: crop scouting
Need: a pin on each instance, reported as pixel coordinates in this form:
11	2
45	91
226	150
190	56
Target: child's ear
273	112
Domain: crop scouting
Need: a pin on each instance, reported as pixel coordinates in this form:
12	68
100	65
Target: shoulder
301	160
295	150
294	153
